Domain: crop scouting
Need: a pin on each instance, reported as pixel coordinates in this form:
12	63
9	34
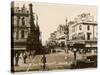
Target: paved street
58	60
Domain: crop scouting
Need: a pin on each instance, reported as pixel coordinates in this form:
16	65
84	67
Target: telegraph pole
66	36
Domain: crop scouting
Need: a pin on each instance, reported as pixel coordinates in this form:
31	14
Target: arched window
80	27
22	34
88	27
23	21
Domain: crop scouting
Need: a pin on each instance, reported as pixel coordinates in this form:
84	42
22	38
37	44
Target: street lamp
74	50
66	35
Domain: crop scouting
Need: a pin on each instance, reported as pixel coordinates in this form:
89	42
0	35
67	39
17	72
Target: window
80	27
22	34
88	36
81	36
14	33
88	27
23	21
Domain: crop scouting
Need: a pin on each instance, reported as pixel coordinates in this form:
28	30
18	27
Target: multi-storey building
21	27
61	35
83	31
24	23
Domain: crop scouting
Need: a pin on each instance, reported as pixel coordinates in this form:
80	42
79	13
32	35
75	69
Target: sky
50	16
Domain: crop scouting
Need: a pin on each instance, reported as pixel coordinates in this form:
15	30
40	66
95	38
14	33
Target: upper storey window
88	27
22	34
23	21
80	27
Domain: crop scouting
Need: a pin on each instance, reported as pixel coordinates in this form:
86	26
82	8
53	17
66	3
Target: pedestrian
43	60
17	59
24	57
75	51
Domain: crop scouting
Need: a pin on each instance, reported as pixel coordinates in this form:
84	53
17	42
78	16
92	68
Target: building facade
58	37
83	31
21	27
24	23
61	35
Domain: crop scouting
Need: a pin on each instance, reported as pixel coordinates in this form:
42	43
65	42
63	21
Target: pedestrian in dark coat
24	57
17	59
43	60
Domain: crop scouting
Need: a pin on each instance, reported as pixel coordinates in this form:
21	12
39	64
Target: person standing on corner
43	60
17	59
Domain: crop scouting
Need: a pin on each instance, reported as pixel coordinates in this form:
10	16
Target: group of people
24	56
21	56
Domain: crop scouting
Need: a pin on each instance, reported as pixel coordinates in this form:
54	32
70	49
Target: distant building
58	37
61	35
52	39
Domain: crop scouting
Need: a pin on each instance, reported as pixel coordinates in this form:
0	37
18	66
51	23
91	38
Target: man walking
43	60
24	57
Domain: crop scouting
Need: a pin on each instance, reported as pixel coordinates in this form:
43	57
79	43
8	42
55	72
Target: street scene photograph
51	37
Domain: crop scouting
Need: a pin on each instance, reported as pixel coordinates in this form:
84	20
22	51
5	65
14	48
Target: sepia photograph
51	37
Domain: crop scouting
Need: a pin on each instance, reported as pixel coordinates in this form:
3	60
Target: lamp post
75	50
66	36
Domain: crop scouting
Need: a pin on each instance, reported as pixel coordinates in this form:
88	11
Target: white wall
84	30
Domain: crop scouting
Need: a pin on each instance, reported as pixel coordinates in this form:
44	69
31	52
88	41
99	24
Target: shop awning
23	48
76	42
